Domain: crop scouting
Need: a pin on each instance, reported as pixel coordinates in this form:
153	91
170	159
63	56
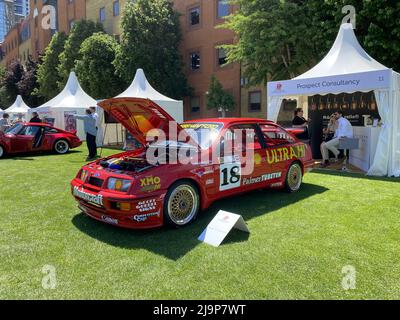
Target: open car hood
139	116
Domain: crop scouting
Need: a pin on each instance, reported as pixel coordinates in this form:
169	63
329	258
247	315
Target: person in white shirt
344	130
95	116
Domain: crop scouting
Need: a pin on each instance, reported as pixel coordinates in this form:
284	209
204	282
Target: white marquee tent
18	109
141	88
71	100
347	68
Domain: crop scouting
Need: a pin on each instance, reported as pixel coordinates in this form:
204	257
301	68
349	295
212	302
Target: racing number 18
230	176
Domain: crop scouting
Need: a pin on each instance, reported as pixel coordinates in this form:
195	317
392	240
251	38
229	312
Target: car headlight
84	175
119	184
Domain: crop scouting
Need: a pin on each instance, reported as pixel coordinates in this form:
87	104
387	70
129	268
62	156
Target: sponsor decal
109	220
285	153
263	178
277	185
147	205
144	217
92	198
209	181
200	125
149	184
257	159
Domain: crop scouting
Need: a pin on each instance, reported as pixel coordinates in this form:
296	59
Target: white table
364	156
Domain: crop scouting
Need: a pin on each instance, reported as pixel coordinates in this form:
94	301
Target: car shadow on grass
176	243
31	156
355	175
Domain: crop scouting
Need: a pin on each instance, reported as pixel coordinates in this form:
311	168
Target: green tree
150	40
28	83
4	99
79	33
95	69
279	39
218	98
47	77
10	80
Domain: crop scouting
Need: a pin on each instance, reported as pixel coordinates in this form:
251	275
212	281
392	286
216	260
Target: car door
280	151
49	138
239	150
23	141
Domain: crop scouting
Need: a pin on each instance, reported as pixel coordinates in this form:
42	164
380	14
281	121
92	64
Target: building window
223	9
195	61
102	14
221	57
194	16
195	104
254	101
116	8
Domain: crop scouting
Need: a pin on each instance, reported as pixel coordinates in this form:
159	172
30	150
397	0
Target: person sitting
329	131
300	122
35	118
4	123
344	130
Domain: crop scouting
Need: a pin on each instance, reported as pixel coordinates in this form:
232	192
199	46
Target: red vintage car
130	190
35	137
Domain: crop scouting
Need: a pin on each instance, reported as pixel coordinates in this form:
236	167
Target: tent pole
104	138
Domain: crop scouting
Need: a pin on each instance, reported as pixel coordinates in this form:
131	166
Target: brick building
199	49
108	12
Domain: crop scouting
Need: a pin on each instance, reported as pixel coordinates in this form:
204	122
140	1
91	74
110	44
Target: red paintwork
205	176
13	144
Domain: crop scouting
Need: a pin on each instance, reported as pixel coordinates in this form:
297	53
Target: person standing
89	124
95	116
4	124
35	118
344	130
300	122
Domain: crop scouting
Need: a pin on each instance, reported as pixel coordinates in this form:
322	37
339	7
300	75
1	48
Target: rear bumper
144	213
76	144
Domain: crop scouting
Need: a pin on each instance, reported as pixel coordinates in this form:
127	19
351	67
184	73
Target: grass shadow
354	175
176	243
31	156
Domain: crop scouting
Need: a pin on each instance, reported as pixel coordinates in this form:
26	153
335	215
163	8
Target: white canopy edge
19	106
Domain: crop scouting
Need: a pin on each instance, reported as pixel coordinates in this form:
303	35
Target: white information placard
220	227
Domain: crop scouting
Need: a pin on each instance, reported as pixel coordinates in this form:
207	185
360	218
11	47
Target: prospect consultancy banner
364	81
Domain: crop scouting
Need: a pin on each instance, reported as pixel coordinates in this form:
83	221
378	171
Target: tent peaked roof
19	106
72	96
346	56
141	88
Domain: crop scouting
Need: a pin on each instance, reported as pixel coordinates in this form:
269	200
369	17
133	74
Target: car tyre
2	152
61	146
182	204
294	178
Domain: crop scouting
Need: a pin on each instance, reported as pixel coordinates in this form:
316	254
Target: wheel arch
196	184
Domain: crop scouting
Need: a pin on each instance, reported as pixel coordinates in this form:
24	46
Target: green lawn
296	250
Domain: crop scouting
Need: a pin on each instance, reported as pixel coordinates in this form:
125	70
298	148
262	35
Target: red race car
35	137
149	187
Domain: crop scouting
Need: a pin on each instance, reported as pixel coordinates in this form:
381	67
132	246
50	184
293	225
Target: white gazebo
141	88
71	100
347	68
19	109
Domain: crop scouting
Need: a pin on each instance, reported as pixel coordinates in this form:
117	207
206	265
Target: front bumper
145	211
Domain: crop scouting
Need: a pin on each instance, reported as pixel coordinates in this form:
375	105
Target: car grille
95	182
